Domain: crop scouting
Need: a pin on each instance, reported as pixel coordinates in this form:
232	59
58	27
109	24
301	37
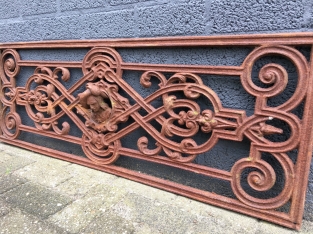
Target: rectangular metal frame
103	109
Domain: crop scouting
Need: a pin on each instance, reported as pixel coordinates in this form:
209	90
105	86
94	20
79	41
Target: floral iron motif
101	113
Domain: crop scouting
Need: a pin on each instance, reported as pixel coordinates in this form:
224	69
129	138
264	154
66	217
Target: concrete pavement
39	194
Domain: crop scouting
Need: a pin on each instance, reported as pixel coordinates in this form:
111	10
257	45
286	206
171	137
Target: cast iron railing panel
98	106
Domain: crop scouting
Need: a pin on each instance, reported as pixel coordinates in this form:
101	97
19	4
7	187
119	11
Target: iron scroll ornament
100	110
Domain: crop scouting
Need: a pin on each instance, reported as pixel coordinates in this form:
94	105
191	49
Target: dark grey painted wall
84	19
73	19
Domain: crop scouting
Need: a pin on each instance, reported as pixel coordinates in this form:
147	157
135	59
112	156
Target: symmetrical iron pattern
99	110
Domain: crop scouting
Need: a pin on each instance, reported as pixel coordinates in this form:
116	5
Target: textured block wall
33	20
55	19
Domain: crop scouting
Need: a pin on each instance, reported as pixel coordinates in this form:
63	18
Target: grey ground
39	194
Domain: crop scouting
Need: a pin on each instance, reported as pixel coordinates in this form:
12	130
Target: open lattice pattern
100	109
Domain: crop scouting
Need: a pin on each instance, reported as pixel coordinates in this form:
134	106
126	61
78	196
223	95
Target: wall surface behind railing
34	20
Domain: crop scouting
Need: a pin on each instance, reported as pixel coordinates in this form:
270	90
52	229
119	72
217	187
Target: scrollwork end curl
262	178
275	75
10	123
9	66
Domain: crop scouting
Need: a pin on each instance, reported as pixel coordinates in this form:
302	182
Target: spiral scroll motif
263	176
275	75
10	67
262	179
10	125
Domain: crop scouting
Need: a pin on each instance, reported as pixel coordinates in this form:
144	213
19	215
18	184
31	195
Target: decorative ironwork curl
10	124
9	65
263	179
99	110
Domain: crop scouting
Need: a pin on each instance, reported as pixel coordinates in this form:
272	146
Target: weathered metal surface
100	108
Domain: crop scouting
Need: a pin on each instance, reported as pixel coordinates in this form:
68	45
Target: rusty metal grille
106	108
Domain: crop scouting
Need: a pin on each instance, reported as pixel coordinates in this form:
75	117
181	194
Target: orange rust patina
100	109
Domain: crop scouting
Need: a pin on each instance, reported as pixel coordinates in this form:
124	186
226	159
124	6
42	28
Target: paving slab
82	211
79	214
4	208
214	219
45	171
5	157
140	209
10	163
16	151
110	223
36	200
10	181
17	222
149	192
170	217
82	180
269	228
